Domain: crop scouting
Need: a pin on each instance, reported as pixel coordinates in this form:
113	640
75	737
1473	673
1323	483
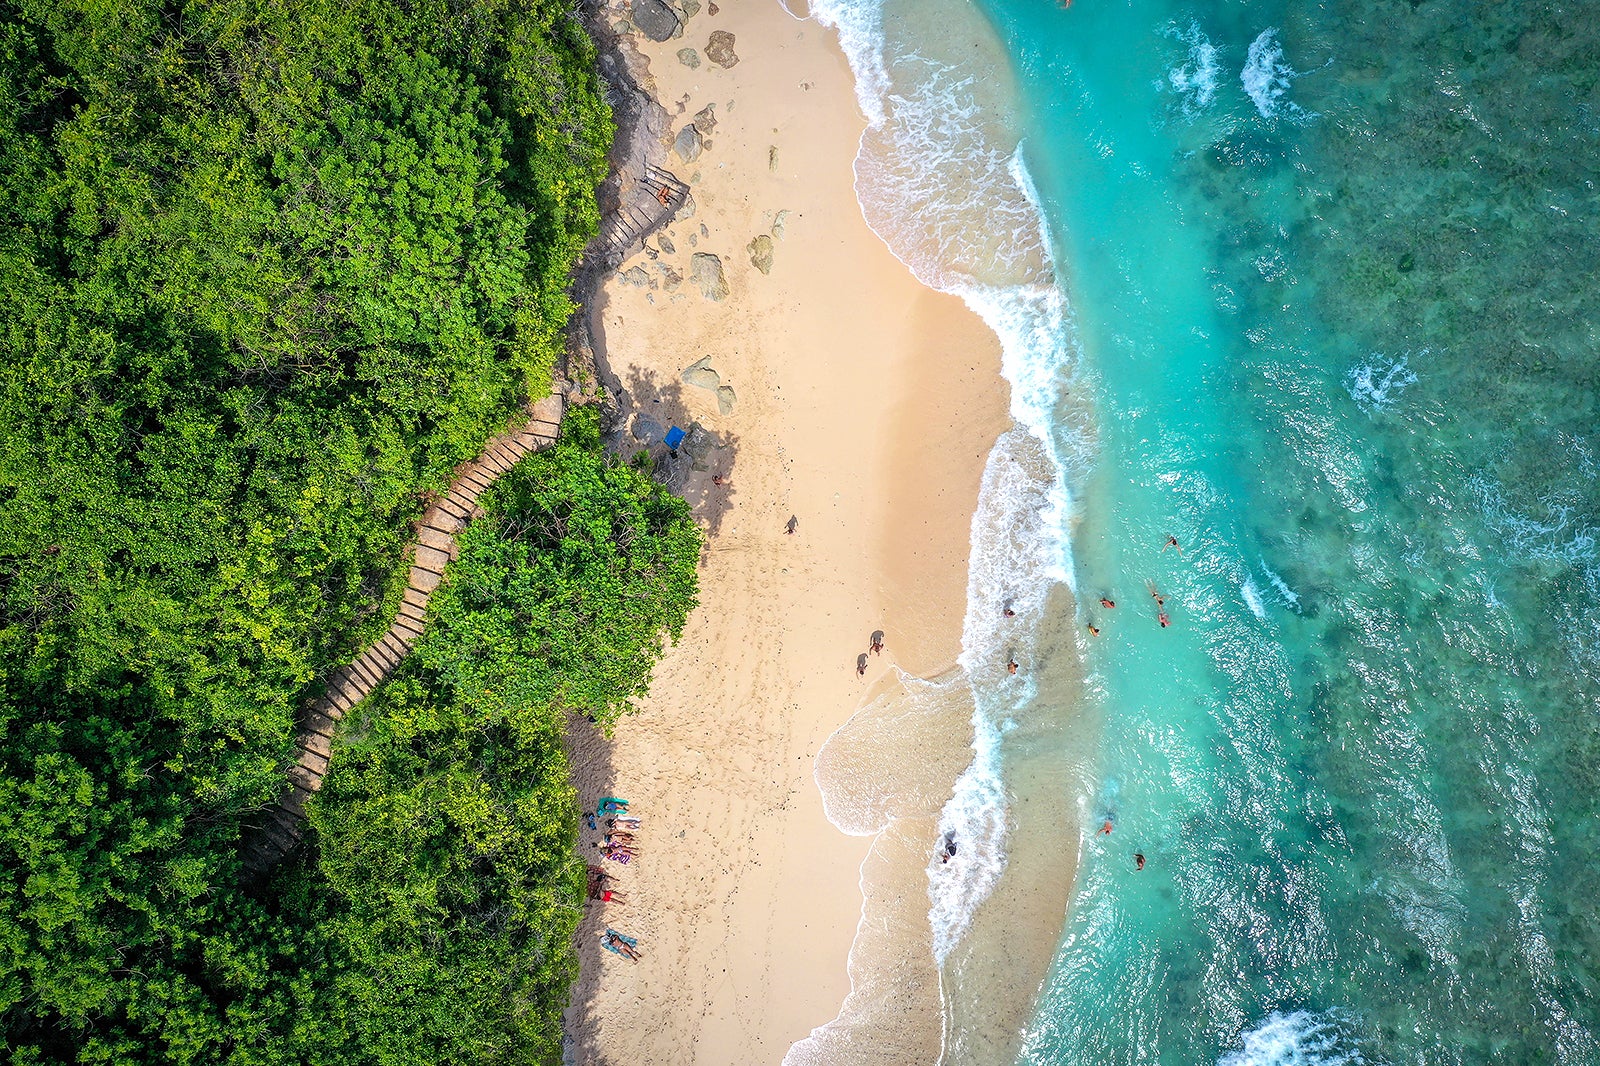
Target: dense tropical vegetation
268	271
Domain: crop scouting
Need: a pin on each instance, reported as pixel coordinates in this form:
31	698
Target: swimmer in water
1094	630
1138	861
1105	830
1161	616
1011	666
1107	604
1172	542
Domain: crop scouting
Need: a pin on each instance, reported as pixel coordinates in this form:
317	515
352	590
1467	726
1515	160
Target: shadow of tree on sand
648	407
593	775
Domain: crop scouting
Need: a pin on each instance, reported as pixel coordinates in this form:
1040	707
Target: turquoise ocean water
1311	289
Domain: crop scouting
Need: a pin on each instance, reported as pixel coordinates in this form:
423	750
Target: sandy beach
845	396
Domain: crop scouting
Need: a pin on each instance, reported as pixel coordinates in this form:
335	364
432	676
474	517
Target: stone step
436	538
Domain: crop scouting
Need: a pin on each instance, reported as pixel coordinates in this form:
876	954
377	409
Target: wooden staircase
283	824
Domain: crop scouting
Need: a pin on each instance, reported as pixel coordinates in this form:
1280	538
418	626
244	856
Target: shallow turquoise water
1340	342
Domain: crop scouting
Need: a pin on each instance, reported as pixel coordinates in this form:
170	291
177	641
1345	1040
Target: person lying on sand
608	895
620	838
625	822
618	943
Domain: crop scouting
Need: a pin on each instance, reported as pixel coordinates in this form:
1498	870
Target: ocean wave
1198	77
1301	1038
1375	385
1267	77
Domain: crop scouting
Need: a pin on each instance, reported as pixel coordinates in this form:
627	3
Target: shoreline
864	405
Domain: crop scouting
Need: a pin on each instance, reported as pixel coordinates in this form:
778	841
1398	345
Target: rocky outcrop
706	270
719	49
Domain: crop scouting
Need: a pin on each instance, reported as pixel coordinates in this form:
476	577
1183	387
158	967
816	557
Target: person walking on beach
792	525
877	642
861	665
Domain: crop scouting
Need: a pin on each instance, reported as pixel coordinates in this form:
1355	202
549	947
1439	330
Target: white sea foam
1252	599
941	179
1302	1038
1376	384
1267	77
1198	77
1281	586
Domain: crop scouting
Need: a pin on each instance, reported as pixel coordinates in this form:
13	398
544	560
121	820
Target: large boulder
719	49
701	375
655	19
706	270
688	143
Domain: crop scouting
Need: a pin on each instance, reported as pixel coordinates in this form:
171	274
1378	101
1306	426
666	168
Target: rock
688	143
666	243
706	269
689	58
725	399
700	375
636	277
778	225
698	443
712	8
687	210
694	240
760	251
690	8
719	49
705	119
772	158
655	19
647	432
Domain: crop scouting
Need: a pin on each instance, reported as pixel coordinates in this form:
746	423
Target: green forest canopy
270	271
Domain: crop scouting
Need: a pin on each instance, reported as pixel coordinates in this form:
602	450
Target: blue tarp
675	437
